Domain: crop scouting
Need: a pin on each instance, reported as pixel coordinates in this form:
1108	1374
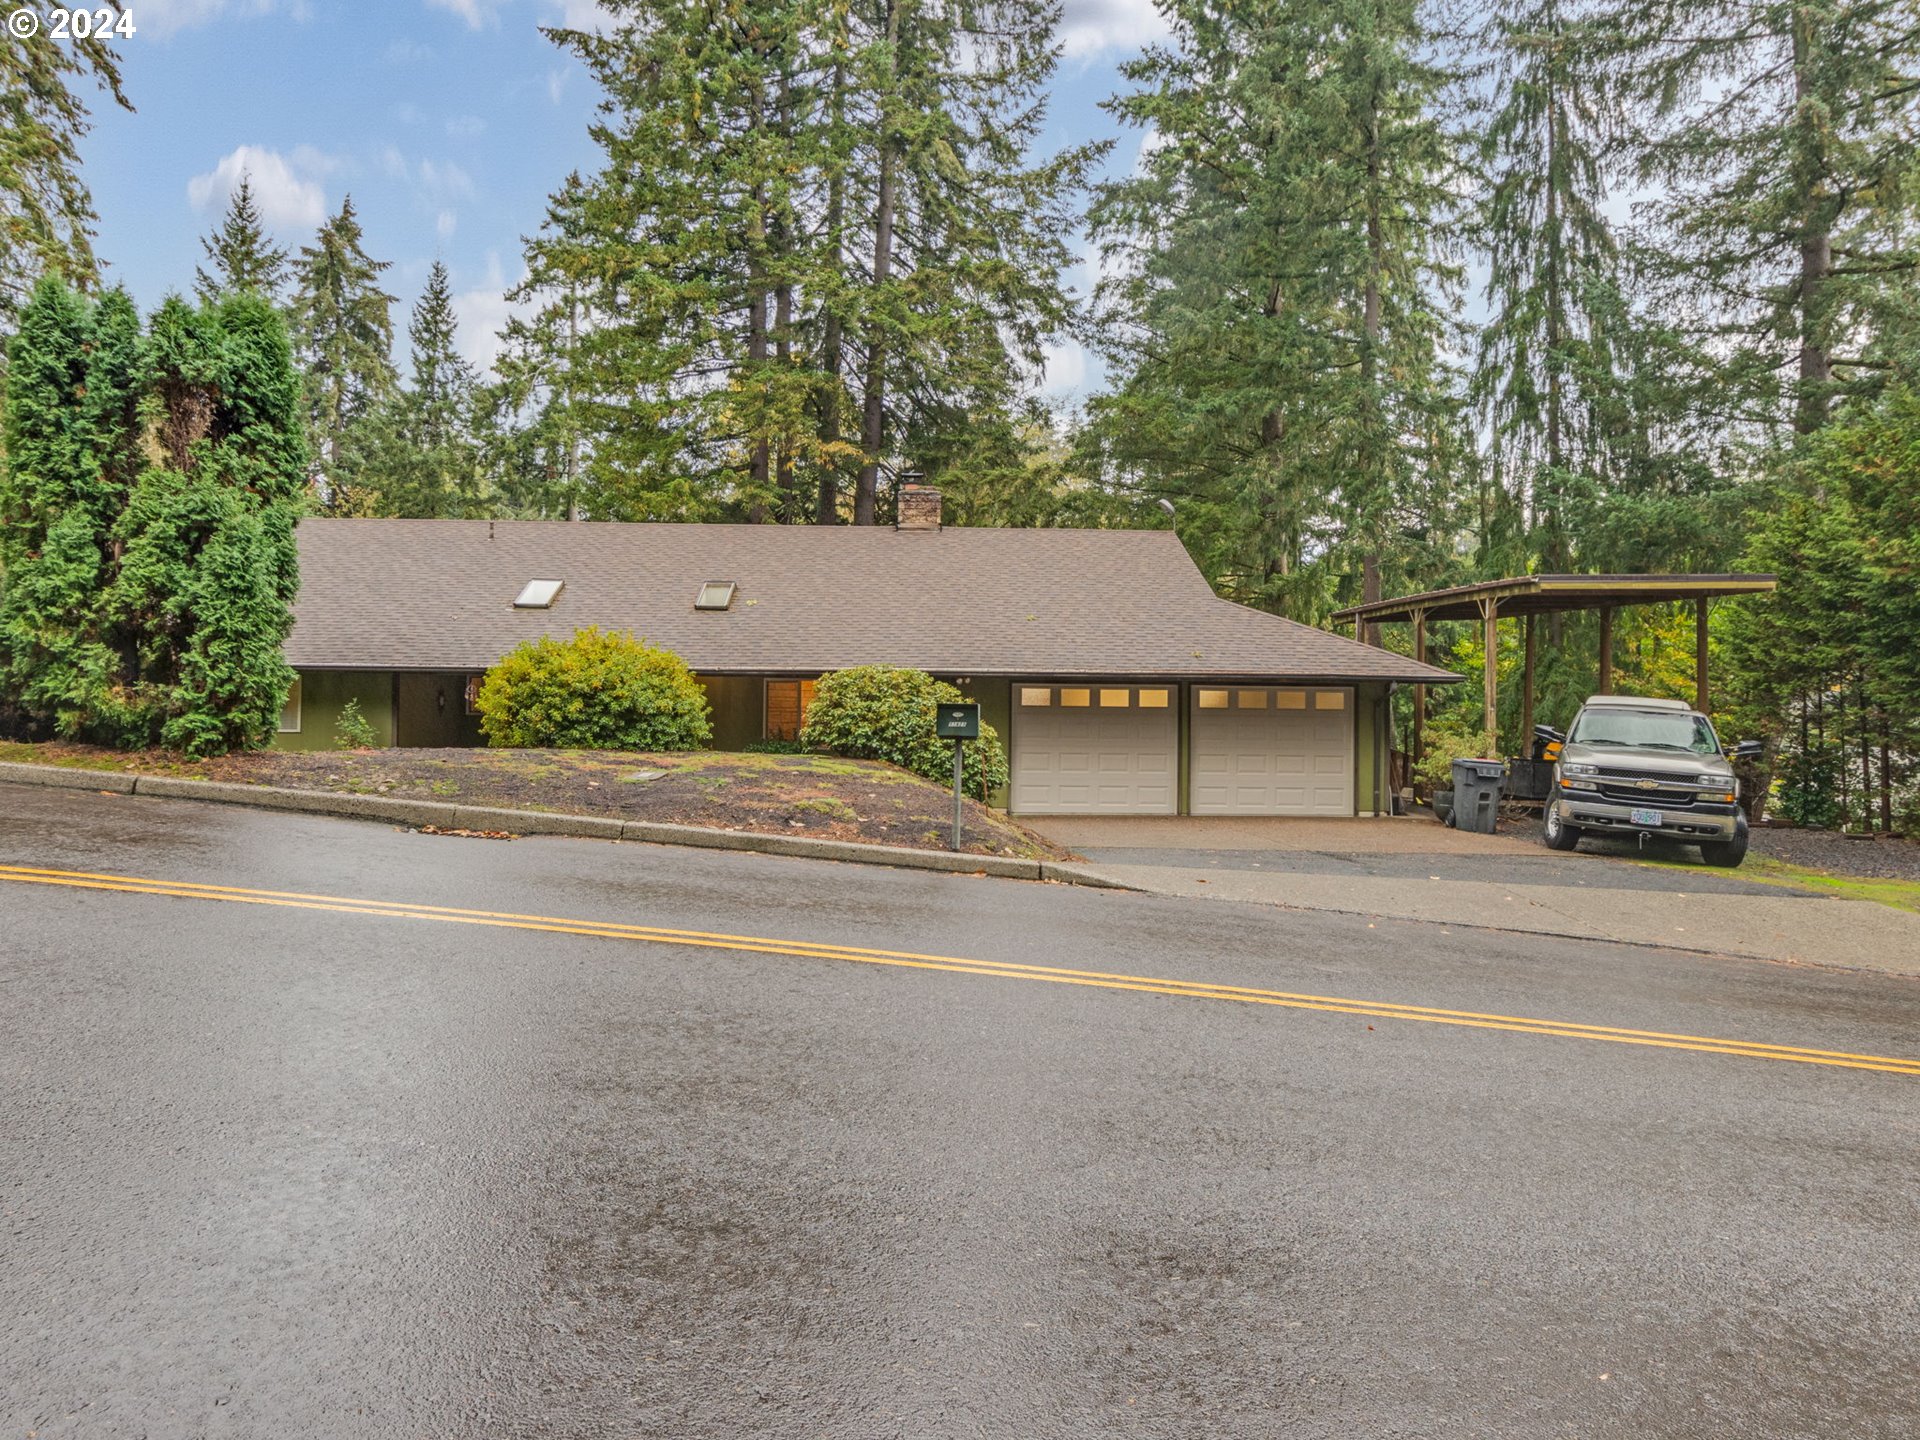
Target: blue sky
449	122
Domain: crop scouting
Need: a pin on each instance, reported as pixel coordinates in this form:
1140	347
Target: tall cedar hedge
147	509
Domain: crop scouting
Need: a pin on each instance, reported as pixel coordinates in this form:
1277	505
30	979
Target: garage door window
1077	699
1212	699
1289	699
1153	699
1036	695
1329	699
1115	699
1250	700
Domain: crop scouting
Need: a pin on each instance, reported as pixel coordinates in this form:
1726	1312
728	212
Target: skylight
714	595
539	595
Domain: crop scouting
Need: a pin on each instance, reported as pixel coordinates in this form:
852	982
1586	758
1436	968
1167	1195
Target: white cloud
287	189
444	225
165	17
556	84
466	127
393	164
1066	368
484	311
445	181
1088	27
580	14
475	12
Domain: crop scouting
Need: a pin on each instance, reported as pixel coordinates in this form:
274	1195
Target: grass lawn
1901	894
816	795
1763	870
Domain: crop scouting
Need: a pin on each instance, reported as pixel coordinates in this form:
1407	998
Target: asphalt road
286	1167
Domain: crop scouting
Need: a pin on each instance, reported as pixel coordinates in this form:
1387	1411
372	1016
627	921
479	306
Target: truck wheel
1727	854
1559	834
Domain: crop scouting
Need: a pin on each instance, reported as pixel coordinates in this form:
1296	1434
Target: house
1121	683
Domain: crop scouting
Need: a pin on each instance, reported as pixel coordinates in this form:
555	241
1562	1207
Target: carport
1525	597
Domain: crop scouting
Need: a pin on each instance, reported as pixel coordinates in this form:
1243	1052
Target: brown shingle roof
438	595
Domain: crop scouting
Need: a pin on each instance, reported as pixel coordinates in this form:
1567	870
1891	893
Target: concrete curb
545	822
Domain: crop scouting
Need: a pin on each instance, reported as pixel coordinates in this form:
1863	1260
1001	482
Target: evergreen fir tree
1276	321
241	253
423	460
1551	253
46	212
343	341
815	235
1780	136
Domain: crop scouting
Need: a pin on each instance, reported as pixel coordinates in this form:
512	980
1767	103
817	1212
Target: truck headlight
1579	768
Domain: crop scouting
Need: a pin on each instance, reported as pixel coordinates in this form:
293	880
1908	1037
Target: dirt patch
822	796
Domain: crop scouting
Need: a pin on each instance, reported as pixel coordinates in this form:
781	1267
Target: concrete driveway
1414	868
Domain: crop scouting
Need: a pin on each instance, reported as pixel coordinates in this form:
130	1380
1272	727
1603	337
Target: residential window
1213	699
1153	699
474	682
1036	695
290	712
1115	699
1078	699
787	704
1250	700
1289	699
1329	699
714	595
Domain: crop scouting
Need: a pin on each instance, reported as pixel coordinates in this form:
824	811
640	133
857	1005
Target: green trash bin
1476	794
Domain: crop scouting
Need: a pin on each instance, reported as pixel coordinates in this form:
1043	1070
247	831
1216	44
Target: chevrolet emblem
1646	784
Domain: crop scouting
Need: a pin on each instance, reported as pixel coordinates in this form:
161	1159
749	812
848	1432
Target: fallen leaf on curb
467	834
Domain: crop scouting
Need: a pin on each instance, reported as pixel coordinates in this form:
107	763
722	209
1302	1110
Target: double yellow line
994	969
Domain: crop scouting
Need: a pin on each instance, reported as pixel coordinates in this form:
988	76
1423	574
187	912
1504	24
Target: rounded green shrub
593	692
880	712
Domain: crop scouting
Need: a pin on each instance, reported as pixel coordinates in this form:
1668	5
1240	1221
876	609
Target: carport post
1490	608
1419	691
1526	695
1700	655
1605	686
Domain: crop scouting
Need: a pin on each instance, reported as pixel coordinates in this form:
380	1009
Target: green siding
324	693
1368	702
739	710
995	698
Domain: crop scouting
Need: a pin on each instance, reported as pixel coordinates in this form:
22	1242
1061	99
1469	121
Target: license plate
1645	817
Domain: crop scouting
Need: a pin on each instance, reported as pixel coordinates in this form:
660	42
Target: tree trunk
1370	366
826	508
758	466
873	429
1816	265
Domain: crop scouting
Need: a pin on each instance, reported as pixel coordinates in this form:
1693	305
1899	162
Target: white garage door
1094	750
1272	751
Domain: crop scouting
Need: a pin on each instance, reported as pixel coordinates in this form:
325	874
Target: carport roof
438	595
1544	594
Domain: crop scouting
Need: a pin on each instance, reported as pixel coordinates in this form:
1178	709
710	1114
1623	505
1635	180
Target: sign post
958	723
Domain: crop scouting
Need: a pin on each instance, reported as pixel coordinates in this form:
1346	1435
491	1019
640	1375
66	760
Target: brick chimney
919	507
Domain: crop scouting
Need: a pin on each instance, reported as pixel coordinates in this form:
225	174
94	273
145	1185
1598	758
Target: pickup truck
1647	767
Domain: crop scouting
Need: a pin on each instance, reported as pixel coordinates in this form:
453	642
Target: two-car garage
1116	749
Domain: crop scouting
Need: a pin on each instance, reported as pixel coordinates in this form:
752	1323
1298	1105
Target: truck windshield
1644	729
